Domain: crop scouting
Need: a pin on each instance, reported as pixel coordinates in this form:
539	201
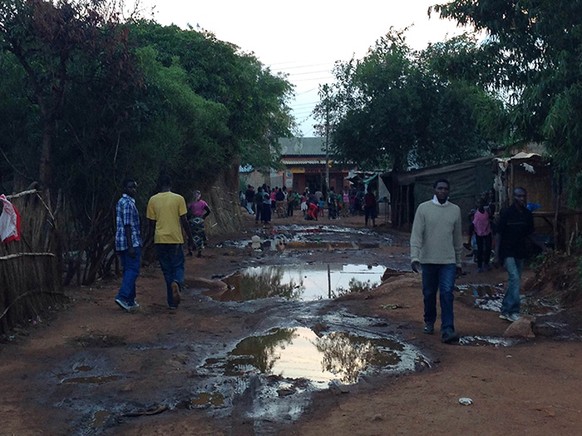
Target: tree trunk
45	172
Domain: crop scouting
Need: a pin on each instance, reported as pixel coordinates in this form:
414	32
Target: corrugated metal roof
287	161
314	146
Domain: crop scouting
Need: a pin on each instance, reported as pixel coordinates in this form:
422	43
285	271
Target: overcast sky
305	37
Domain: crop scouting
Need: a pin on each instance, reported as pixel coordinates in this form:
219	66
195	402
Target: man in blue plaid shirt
128	245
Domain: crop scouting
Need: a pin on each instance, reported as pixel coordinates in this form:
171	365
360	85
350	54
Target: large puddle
275	373
305	282
300	353
297	236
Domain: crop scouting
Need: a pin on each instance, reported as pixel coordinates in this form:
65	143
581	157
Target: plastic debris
465	401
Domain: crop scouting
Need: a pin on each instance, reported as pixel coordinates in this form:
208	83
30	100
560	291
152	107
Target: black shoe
449	336
428	329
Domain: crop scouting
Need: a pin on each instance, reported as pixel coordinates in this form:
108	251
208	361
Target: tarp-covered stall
468	181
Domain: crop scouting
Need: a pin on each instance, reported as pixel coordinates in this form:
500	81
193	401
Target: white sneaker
514	317
123	304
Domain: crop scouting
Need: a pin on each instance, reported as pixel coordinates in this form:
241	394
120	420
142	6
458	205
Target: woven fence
30	281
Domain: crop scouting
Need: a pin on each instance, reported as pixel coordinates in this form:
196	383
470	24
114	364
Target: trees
254	100
400	107
534	49
98	98
58	45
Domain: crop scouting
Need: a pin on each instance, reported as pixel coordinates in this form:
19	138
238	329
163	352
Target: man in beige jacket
435	250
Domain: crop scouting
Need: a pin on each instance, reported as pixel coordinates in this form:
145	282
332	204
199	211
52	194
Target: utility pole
326	90
327	145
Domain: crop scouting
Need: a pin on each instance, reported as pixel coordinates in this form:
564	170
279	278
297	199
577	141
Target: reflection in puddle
299	353
100	418
301	282
207	399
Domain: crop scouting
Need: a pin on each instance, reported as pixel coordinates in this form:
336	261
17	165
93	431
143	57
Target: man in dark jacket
514	228
250	198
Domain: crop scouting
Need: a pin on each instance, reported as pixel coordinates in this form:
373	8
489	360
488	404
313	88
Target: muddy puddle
304	282
487	341
300	353
268	377
277	371
490	297
314	236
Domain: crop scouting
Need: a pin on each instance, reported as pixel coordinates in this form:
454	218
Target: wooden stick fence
30	279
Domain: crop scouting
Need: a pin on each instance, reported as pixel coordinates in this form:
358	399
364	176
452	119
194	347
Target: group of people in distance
266	202
436	252
169	218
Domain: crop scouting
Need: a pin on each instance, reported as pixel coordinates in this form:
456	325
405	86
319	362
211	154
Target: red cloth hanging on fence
9	221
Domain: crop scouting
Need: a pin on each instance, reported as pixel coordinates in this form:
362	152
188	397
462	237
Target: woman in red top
198	210
483	236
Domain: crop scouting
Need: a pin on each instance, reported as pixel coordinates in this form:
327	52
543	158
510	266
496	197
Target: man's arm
416	240
151	229
130	249
187	229
458	240
500	228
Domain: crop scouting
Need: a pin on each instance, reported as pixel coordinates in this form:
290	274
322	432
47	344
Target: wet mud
269	335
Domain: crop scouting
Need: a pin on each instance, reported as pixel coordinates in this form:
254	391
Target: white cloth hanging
9	221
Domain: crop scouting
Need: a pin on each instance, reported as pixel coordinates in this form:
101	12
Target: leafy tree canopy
534	49
400	107
90	98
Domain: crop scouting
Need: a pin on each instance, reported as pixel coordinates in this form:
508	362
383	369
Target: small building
307	163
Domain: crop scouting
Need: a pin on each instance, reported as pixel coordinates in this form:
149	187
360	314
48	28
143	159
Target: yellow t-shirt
166	208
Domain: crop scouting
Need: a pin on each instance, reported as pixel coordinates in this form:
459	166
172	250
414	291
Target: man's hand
416	267
131	251
459	271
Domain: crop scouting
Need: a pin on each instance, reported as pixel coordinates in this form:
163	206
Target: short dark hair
519	188
165	181
127	181
441	181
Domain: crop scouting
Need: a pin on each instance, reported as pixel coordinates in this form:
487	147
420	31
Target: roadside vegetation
93	92
90	97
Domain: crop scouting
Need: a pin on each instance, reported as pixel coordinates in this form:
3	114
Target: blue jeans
171	258
130	267
441	277
511	299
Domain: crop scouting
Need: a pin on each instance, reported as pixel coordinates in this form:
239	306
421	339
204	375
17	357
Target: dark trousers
259	207
483	249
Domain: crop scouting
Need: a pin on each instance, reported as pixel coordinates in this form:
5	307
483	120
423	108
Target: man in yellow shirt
167	214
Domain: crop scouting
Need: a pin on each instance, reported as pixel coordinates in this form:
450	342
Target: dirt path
91	369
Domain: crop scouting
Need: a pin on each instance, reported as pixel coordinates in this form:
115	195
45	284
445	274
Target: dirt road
91	369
